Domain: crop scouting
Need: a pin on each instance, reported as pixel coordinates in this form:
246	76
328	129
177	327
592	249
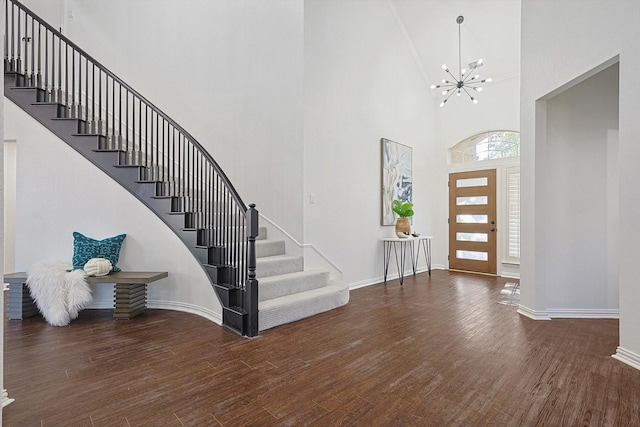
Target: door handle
493	222
493	230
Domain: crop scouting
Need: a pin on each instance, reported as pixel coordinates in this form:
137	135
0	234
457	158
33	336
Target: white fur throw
59	294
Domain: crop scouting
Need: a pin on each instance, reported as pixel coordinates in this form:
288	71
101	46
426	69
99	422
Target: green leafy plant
403	209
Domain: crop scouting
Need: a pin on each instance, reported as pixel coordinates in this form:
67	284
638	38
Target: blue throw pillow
85	248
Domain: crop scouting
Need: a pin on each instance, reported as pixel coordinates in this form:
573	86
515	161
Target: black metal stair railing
144	136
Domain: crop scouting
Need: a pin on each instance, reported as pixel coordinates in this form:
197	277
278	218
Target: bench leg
130	300
20	304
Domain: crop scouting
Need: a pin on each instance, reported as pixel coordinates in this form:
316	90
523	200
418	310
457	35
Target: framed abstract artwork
396	177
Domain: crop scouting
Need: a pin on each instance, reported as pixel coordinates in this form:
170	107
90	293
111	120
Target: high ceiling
491	31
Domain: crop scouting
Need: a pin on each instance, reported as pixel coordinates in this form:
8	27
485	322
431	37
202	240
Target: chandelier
465	82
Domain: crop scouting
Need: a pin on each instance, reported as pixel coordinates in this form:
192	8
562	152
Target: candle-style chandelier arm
446	69
475	101
447	98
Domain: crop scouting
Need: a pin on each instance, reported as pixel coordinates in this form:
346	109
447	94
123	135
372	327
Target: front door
472	221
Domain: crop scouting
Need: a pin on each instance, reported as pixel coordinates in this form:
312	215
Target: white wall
362	84
578	215
564	42
292	98
2	232
9	193
228	71
52	11
53	201
498	108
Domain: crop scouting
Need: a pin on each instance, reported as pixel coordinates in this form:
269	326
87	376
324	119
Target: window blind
513	198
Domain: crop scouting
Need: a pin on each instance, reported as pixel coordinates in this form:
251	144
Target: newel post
251	288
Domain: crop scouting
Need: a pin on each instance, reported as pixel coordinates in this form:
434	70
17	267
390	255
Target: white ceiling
491	31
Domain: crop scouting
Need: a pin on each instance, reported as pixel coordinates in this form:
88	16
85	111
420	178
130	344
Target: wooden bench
130	293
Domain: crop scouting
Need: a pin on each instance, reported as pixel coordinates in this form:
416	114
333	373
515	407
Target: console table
130	293
400	247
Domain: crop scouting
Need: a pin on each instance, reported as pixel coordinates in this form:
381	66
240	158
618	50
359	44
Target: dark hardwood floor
435	352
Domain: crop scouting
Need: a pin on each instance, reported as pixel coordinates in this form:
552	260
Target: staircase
287	292
155	159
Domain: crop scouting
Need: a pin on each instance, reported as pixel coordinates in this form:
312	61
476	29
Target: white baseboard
533	314
568	313
187	308
592	313
510	270
625	356
101	303
380	279
107	303
5	398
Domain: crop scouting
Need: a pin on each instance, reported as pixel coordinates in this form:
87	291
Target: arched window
487	146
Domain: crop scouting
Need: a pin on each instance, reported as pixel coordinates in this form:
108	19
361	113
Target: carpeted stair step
279	264
266	248
291	283
290	308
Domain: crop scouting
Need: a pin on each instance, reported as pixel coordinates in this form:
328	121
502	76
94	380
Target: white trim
304	246
480	165
368	282
510	271
187	308
629	357
507	259
102	303
105	303
380	279
5	398
532	314
569	313
578	313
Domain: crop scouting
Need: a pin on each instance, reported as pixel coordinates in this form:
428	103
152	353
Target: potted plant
404	210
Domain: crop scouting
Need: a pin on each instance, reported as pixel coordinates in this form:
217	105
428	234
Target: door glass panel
472	182
472	237
472	200
473	255
472	219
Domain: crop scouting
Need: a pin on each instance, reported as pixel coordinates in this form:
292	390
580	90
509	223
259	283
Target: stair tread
289	308
333	286
276	286
45	103
295	274
21	87
65	118
275	258
267	241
